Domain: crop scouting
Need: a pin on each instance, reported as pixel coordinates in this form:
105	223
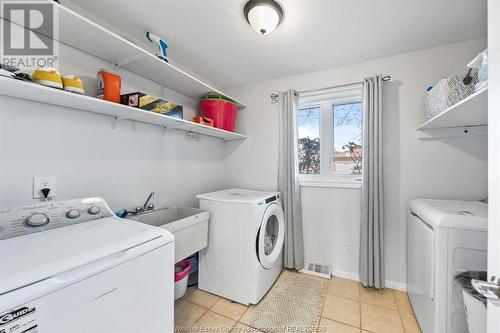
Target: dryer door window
271	236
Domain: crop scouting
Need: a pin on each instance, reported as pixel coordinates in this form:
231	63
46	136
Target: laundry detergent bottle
108	86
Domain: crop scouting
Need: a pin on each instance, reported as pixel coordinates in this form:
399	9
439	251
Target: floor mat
292	305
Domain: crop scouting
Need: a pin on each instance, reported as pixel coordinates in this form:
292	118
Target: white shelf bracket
191	136
170	127
114	120
452	132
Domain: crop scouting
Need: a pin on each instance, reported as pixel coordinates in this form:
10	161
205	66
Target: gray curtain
293	252
372	215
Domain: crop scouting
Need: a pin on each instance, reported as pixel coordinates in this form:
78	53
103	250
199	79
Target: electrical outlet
40	183
348	247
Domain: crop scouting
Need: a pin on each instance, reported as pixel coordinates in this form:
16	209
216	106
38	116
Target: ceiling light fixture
263	15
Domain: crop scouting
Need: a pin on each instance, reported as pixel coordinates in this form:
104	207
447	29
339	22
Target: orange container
204	121
108	86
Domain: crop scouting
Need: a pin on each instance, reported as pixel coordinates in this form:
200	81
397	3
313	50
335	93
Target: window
309	141
347	130
329	134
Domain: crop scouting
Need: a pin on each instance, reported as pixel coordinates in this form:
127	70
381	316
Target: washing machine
73	266
246	232
445	238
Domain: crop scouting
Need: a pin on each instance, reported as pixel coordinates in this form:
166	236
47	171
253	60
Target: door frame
493	155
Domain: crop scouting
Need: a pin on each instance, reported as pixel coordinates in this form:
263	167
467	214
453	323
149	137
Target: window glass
347	138
308	122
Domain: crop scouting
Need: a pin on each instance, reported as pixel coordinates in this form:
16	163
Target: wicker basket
448	92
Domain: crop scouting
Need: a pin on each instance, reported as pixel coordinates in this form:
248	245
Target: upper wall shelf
41	94
469	116
89	37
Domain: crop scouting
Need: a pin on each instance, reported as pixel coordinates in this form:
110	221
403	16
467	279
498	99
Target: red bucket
222	111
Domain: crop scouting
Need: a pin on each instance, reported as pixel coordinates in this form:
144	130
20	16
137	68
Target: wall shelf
89	37
468	117
38	93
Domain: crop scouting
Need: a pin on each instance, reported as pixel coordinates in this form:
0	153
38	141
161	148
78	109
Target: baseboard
355	277
396	285
345	275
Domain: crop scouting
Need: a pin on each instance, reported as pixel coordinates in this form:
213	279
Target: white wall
331	221
450	168
89	158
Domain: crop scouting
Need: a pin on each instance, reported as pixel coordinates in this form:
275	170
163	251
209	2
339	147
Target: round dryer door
271	235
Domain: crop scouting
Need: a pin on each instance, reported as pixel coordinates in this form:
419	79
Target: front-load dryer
445	238
245	240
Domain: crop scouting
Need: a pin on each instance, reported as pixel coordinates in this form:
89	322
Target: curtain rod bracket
275	98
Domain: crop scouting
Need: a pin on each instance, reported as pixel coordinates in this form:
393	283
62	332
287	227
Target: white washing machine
445	238
245	241
73	266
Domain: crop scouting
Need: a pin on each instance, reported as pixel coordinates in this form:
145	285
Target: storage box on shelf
38	93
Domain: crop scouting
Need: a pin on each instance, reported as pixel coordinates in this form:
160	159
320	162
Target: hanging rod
275	97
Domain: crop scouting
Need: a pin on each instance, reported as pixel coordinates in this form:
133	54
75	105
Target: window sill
331	183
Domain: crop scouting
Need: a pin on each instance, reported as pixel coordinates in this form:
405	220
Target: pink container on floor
181	276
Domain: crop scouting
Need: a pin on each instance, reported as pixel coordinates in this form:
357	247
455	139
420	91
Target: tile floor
348	308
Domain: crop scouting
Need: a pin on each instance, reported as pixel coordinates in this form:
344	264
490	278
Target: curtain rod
275	96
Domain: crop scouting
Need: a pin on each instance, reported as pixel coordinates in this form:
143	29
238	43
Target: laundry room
249	166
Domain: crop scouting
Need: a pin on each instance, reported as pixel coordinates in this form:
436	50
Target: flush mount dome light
263	15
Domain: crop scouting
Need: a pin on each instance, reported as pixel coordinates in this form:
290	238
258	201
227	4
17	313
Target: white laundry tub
188	225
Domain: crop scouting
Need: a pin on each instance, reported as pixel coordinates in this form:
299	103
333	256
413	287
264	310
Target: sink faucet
147	205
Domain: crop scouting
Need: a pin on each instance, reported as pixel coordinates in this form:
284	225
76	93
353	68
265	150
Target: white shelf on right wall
468	117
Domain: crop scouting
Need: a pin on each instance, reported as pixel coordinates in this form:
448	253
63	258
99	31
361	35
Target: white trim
401	286
330	184
396	285
345	275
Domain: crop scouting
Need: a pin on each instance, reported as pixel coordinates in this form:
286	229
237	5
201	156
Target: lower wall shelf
38	93
452	132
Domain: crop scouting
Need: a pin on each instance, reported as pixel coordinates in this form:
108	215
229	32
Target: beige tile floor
348	308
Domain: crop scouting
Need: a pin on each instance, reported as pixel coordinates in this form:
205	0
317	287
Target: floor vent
324	271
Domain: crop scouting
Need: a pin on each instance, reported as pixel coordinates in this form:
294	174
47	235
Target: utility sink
188	225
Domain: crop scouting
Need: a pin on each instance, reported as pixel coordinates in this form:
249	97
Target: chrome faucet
147	205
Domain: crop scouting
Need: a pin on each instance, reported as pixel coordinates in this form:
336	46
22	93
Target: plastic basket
222	111
181	277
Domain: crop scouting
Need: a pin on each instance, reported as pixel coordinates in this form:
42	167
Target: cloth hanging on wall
288	184
372	266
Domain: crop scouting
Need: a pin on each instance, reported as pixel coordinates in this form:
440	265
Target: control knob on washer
37	220
94	210
73	213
